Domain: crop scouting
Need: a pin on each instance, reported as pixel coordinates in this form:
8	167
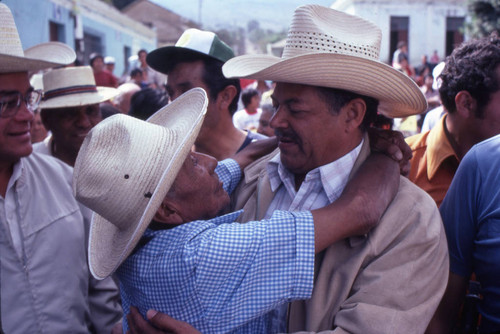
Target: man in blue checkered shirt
218	275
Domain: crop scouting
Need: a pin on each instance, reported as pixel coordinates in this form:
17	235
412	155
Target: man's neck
6	170
67	156
459	140
221	142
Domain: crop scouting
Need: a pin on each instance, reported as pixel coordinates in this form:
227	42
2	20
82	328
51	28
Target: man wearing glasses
43	268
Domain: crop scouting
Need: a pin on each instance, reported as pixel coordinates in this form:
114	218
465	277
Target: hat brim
110	246
80	99
38	57
162	59
398	95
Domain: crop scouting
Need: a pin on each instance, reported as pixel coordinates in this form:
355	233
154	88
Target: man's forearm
361	205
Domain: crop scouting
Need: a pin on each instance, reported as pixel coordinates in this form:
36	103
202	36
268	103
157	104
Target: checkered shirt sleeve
229	173
222	276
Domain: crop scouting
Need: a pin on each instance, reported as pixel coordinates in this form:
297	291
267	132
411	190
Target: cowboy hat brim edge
109	246
398	94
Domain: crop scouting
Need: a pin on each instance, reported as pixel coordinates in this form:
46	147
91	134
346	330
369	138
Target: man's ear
355	111
466	104
167	213
226	96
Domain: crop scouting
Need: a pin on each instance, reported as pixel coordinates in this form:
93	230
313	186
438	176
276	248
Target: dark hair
337	98
135	72
247	95
146	102
107	109
212	75
141	51
94	56
471	67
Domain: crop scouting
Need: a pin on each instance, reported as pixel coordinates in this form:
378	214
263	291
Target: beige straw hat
73	87
14	59
328	48
124	170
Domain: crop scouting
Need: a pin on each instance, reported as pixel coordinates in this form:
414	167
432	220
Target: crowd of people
217	193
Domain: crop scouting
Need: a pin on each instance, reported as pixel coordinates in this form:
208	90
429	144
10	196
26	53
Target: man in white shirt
43	267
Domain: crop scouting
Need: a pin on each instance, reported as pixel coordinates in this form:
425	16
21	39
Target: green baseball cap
194	42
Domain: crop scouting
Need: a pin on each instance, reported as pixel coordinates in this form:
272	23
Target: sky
271	14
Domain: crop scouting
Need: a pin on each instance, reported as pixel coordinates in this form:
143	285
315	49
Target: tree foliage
485	18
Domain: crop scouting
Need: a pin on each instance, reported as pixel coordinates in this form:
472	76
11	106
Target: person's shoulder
258	166
488	146
49	166
255	135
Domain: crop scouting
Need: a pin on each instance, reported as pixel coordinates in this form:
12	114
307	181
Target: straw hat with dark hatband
329	48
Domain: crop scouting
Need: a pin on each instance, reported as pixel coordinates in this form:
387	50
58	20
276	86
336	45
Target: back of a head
247	95
146	102
472	67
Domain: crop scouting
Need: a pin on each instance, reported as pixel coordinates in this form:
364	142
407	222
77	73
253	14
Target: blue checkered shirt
222	276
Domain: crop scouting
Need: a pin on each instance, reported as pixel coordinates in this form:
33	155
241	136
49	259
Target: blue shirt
471	215
222	276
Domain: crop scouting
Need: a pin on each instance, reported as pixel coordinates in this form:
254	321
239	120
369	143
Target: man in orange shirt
470	92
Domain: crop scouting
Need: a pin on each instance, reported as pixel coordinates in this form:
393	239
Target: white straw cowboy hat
14	59
124	170
73	87
328	48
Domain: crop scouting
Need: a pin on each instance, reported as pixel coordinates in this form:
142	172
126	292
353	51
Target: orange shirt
434	161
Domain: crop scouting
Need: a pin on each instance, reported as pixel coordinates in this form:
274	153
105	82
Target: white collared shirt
321	186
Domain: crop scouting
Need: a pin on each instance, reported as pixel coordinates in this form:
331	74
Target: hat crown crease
129	177
312	31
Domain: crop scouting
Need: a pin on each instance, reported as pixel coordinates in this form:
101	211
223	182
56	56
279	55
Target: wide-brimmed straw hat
124	170
73	87
14	59
329	48
192	42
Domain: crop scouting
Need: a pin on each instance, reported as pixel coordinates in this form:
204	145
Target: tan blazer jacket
390	281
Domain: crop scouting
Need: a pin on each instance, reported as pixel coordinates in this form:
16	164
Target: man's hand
162	324
255	150
392	144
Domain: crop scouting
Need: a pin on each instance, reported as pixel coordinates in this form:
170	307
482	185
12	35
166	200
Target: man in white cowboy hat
330	83
216	275
70	109
43	265
196	61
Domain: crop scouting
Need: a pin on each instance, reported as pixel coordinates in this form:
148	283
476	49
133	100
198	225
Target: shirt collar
439	148
224	219
333	176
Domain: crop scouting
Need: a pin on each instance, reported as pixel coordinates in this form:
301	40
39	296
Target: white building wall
427	22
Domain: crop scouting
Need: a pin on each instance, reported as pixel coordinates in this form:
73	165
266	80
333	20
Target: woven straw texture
124	170
333	49
14	59
66	78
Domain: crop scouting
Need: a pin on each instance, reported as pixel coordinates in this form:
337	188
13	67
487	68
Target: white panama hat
14	59
329	48
73	87
124	170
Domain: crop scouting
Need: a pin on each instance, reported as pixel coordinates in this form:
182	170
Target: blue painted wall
32	18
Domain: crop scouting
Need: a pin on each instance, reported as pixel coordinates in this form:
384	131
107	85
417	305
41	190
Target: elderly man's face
70	126
309	133
197	191
15	138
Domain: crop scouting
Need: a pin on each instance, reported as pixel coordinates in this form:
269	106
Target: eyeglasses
10	102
